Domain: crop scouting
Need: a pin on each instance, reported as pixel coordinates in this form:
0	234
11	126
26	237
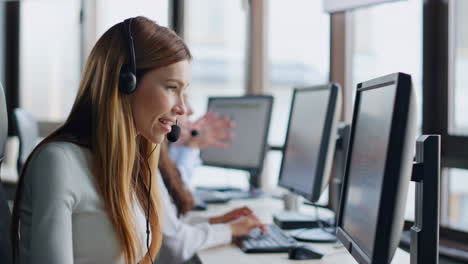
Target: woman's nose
180	108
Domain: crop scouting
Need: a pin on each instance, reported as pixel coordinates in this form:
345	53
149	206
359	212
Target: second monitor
308	154
252	115
310	140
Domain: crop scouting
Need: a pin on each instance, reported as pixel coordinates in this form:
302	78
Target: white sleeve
194	218
52	204
181	240
186	159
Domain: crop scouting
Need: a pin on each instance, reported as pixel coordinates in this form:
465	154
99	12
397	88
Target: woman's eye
171	87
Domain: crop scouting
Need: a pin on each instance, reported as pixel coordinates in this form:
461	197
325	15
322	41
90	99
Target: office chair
5	215
28	134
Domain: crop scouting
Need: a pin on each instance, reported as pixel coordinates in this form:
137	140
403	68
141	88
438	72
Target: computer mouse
304	252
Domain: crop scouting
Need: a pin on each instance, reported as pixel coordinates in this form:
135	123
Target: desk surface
264	208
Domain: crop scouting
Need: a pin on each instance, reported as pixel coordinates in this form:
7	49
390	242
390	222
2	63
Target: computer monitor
246	151
378	168
310	140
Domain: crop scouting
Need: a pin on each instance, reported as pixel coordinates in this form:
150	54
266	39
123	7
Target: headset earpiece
127	77
127	81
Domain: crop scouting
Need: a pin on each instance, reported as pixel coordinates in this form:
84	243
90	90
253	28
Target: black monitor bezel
315	193
385	217
252	170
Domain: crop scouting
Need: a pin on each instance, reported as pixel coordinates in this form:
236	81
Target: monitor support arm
336	179
426	174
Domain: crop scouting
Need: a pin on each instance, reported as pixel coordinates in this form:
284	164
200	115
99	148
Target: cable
320	223
149	205
299	232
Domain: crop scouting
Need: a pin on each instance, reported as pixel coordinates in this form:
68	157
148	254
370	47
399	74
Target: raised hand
213	132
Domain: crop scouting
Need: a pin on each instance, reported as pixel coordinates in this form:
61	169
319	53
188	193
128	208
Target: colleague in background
86	195
209	131
183	234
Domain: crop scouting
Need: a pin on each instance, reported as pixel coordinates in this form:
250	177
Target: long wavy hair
101	119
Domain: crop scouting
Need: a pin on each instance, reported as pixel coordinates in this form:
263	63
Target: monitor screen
367	165
251	115
313	114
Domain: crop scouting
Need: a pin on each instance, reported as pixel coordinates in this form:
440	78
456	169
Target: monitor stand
310	228
291	218
424	245
307	227
315	235
294	220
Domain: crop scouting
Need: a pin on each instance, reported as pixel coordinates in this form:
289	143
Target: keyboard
211	196
230	192
274	241
219	189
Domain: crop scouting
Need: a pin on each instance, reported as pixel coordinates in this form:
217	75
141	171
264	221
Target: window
111	12
215	32
458	119
50	62
50	79
458	199
383	44
454	122
299	55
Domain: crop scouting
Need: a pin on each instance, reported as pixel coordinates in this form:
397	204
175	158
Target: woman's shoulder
64	145
55	168
59	167
59	158
64	151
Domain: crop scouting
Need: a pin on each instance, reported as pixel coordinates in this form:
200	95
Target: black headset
127	78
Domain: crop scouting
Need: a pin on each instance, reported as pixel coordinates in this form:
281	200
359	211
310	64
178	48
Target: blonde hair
101	119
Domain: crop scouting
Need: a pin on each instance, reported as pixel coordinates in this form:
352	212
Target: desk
264	208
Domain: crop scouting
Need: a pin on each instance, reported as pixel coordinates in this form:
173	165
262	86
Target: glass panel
384	44
299	55
110	12
50	62
458	119
273	160
458	199
410	202
215	32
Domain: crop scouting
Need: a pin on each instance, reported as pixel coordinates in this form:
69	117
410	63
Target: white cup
291	202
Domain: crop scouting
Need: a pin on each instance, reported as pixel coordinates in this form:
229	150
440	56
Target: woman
86	191
185	235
